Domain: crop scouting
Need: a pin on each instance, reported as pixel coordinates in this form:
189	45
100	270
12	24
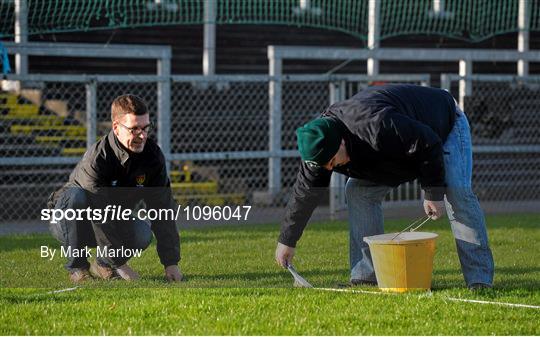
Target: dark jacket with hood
393	134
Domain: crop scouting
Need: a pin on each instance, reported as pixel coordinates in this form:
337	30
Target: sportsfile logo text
119	213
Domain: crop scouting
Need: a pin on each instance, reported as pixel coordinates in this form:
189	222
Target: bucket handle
422	220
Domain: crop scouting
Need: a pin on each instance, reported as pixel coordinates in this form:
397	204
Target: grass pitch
234	287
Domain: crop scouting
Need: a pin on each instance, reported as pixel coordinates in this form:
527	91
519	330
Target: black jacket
393	134
114	176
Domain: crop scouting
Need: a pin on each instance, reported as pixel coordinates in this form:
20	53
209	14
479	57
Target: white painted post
274	162
209	52
465	85
164	110
21	36
523	35
374	31
446	83
337	181
438	7
439	10
305	4
91	113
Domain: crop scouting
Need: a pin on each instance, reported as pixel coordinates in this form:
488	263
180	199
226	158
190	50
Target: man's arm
307	191
158	196
401	135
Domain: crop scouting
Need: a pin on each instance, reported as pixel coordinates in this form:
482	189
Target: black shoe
357	282
479	287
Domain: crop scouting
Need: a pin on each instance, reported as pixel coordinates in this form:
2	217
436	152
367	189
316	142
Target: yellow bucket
403	263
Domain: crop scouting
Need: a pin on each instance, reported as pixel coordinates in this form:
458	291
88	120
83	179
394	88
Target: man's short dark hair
127	104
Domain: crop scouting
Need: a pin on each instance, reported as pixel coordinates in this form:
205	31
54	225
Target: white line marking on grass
496	303
62	290
355	291
518	305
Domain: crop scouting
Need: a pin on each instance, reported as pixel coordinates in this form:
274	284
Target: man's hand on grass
435	209
284	255
173	273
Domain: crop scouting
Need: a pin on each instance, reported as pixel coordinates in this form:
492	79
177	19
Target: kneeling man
117	173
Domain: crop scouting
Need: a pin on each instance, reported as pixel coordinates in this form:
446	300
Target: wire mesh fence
221	116
504	113
504	119
220	134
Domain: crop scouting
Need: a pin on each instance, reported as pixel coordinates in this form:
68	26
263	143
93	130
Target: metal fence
222	132
219	134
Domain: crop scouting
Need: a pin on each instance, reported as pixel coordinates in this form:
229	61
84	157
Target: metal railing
238	131
225	128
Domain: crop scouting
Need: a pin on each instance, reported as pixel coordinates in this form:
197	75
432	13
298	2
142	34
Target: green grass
234	287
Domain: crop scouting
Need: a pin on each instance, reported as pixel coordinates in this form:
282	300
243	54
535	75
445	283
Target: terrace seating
30	130
190	187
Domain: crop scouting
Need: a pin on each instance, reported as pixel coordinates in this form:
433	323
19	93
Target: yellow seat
73	151
10	99
24	109
35	119
58	139
180	176
17	109
207	187
68	130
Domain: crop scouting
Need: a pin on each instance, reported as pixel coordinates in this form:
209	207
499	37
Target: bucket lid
402	239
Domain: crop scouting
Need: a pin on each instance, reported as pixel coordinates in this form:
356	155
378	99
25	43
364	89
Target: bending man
380	138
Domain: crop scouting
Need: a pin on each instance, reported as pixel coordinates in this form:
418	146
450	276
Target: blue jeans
77	234
463	209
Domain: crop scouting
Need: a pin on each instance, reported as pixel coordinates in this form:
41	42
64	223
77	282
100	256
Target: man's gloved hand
173	273
284	254
435	209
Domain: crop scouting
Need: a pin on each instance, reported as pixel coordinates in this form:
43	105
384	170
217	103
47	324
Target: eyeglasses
137	130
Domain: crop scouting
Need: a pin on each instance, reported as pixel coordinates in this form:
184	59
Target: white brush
299	281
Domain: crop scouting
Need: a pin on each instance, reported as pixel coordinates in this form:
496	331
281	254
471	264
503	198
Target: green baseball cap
319	140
